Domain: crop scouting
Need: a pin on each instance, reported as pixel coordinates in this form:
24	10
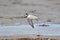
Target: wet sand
30	37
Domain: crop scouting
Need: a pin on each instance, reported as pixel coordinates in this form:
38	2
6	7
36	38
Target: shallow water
51	30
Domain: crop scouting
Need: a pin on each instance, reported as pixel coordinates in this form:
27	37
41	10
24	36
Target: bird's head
26	14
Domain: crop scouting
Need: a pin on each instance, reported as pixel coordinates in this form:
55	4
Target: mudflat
46	10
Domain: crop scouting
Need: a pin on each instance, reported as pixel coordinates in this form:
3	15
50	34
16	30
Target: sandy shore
30	37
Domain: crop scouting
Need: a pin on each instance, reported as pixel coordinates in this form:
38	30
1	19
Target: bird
30	19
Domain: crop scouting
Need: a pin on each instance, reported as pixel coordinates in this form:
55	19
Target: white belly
32	17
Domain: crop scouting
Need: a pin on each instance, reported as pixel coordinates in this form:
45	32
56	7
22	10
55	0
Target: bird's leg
31	22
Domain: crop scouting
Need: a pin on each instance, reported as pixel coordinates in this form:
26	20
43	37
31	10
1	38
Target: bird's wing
31	22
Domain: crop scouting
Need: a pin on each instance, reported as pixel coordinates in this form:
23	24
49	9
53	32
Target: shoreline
33	37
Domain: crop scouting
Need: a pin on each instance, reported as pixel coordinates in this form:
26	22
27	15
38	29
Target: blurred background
46	10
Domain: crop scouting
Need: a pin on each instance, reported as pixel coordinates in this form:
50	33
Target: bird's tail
37	19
